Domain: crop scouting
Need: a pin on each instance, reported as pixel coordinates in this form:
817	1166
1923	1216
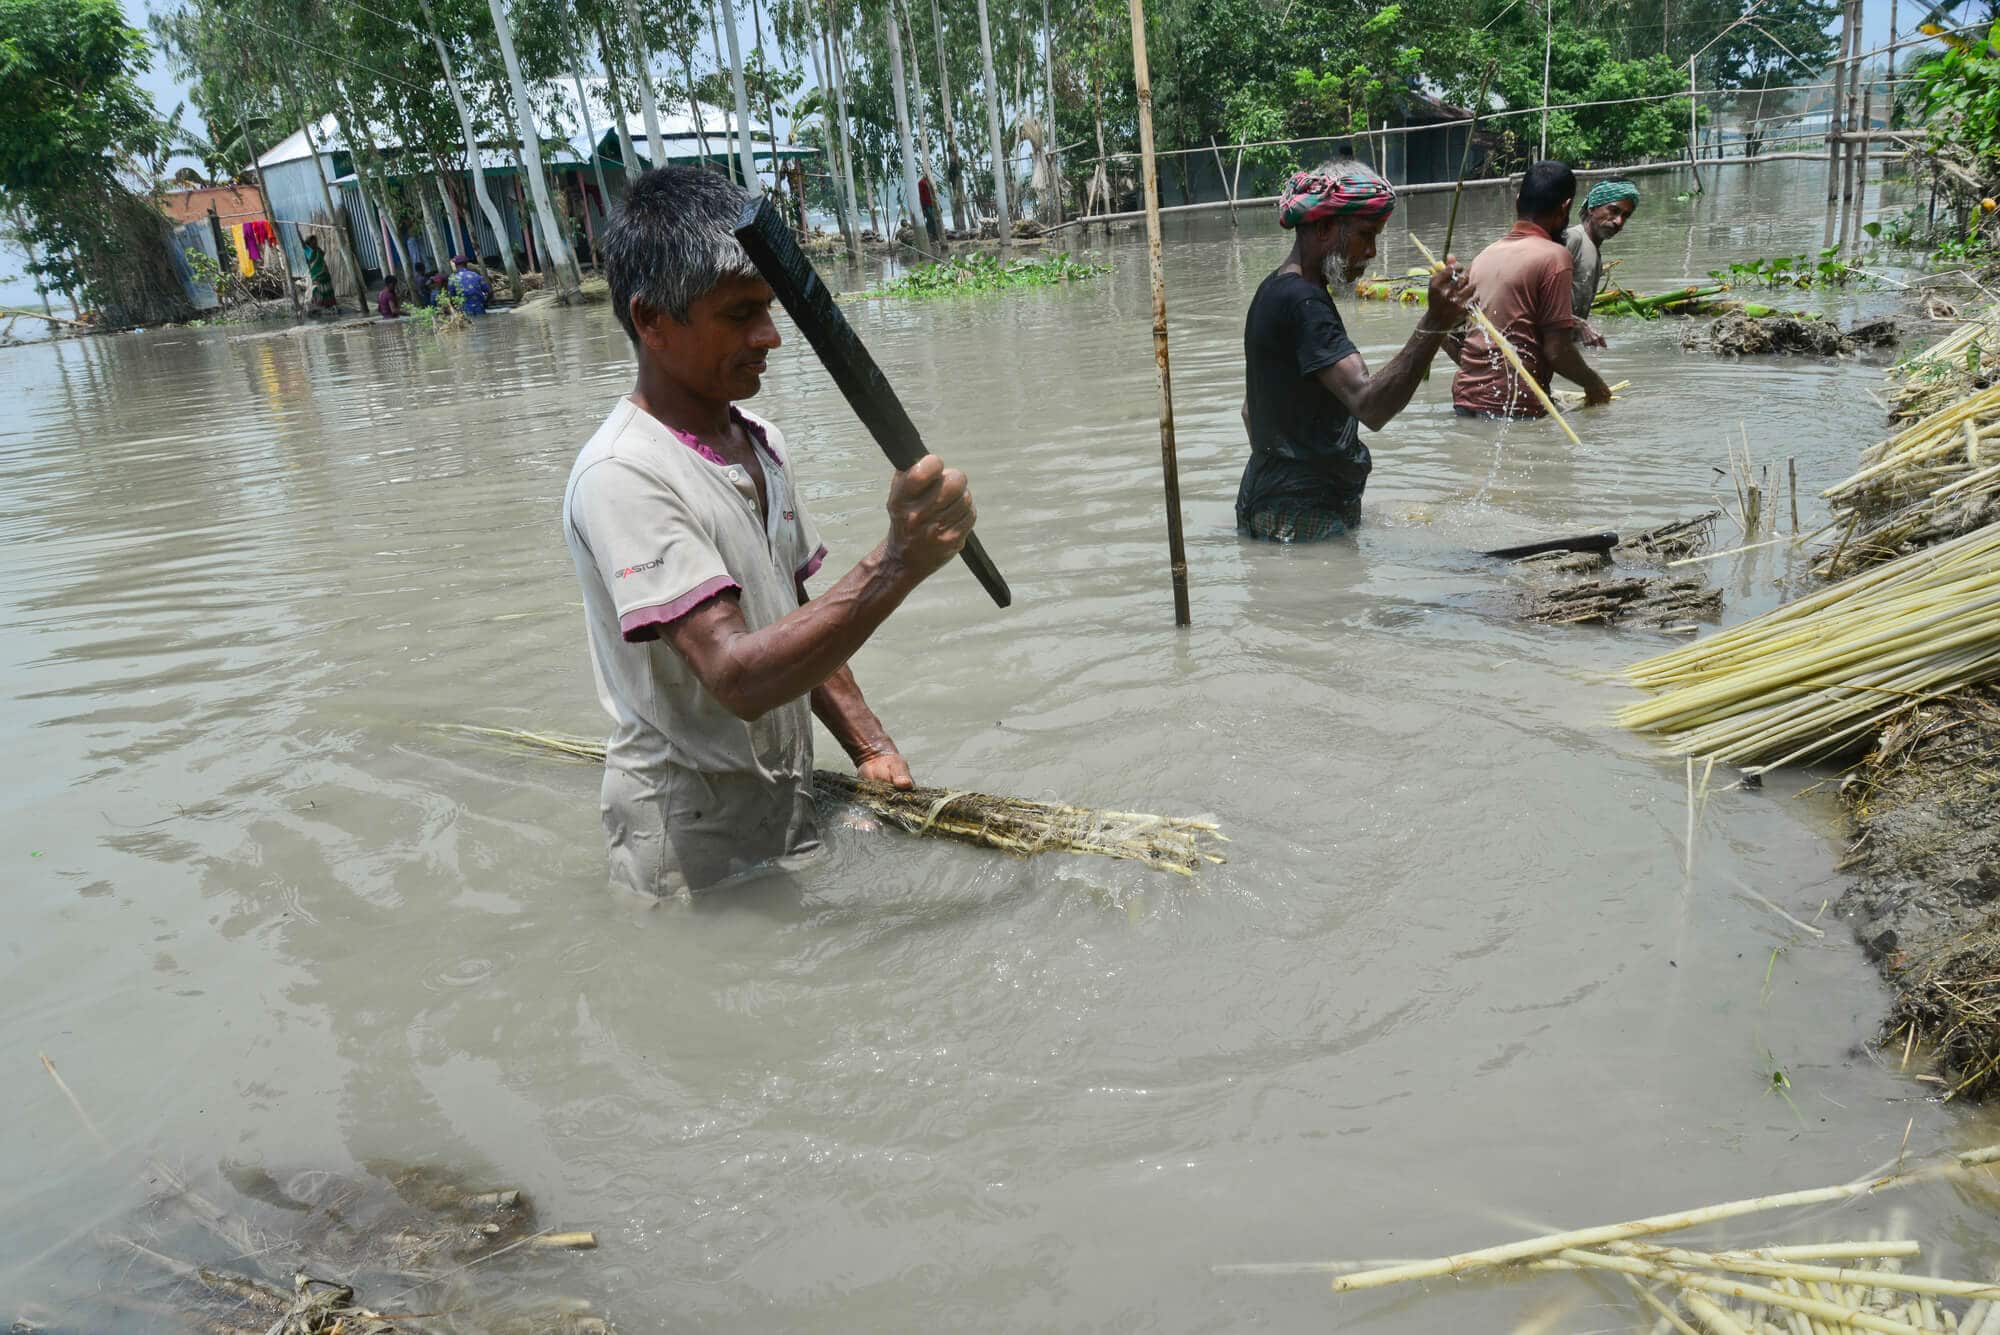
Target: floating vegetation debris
1828	1286
394	1250
982	272
1674	541
1825	269
1823	675
1009	824
1564	590
1742	334
1640	601
1932	481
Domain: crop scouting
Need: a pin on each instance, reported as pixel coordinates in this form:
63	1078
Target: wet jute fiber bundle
1009	824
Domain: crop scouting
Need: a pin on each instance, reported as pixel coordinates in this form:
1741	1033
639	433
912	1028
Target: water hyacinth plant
981	272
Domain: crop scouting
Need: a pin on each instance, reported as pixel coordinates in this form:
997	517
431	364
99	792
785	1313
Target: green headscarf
1611	192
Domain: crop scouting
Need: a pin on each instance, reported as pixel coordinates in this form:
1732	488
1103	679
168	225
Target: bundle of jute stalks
1833	1288
1949	369
1822	675
1009	824
1933	480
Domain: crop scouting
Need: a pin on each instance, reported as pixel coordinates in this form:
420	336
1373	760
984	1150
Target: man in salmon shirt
1523	281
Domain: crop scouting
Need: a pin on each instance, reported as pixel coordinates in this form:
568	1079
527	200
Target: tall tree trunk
474	164
365	182
644	60
958	218
432	238
742	92
264	204
833	161
694	109
839	61
715	49
993	129
770	98
1051	143
901	99
336	217
628	164
590	129
926	165
1100	178
566	275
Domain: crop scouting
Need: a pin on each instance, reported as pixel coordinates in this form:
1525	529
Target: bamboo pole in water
1833	125
1169	462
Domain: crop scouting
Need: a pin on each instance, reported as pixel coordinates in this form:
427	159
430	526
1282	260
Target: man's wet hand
930	516
1451	296
885	766
1596	395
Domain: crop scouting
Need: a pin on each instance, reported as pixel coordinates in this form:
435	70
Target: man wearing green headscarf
1606	209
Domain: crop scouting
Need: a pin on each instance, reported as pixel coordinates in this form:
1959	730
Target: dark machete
767	238
1589	542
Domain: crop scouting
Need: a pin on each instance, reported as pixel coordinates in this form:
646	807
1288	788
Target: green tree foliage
1583	67
74	119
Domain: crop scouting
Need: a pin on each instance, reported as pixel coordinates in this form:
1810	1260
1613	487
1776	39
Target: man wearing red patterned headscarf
1309	393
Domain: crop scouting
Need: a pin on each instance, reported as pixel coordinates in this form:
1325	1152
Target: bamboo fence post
1833	126
1694	147
1169	462
1792	468
1854	233
1851	116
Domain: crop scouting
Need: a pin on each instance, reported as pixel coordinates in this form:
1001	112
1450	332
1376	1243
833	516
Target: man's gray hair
672	241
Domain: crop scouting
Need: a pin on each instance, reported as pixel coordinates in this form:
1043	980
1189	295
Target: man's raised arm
753	672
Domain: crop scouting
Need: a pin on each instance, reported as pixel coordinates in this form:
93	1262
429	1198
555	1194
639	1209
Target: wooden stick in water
1465	158
82	1116
1506	350
1665	1223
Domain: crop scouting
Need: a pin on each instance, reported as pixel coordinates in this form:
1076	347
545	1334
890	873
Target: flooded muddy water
1454	983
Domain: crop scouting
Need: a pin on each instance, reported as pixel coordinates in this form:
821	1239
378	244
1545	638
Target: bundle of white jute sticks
1824	674
1827	1288
1930	481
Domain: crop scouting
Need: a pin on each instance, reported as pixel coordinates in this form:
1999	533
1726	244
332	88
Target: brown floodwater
1455	981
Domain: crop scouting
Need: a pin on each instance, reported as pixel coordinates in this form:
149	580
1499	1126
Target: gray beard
1334	270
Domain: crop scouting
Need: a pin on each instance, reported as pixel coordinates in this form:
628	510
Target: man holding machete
693	548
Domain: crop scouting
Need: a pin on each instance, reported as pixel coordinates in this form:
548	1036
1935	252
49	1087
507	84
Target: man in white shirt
1606	209
693	549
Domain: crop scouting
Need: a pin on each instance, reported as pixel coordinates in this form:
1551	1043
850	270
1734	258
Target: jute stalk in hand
1665	1223
1506	350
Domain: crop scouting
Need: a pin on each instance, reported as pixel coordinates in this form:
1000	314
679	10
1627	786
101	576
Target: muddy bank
1926	811
1925	803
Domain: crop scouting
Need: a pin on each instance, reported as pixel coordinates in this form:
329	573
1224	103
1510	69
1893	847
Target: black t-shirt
1305	447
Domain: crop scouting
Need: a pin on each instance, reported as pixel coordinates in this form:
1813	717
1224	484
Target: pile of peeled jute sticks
1935	479
1830	1288
1824	674
1009	824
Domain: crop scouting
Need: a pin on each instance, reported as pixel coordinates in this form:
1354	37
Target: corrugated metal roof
680	141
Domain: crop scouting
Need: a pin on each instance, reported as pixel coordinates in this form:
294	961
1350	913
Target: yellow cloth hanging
243	264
